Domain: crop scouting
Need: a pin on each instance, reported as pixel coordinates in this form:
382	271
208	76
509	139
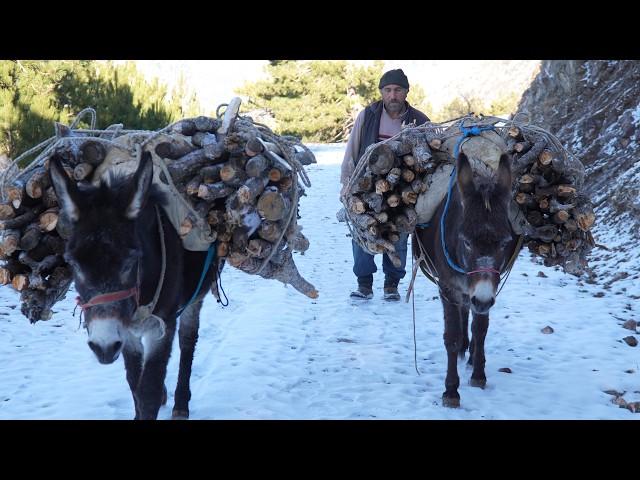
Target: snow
275	354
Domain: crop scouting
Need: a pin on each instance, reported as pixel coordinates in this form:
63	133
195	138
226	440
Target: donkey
132	275
466	251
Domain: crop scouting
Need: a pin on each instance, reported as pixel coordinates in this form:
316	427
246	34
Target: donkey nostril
116	346
94	347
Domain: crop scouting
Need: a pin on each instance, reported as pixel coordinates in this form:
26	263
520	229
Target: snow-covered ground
275	354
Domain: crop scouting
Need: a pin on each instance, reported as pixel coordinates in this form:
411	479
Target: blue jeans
364	264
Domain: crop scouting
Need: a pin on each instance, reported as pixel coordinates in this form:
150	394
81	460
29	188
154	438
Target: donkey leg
453	344
464	322
479	328
133	366
188	336
154	371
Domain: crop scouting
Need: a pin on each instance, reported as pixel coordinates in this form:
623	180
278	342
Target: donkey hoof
450	402
478	382
178	414
163	402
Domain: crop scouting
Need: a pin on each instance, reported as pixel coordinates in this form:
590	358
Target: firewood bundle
391	175
383	191
237	177
547	185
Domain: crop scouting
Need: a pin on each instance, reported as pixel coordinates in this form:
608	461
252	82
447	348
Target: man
379	121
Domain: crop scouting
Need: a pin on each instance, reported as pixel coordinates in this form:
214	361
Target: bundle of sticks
391	175
383	191
546	188
237	176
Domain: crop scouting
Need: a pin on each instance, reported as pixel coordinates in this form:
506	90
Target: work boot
365	288
391	290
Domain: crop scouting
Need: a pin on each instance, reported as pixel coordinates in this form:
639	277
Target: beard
394	106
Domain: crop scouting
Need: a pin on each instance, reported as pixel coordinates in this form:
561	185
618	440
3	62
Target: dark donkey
121	242
466	252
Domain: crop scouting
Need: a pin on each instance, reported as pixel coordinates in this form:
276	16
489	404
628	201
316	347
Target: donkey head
486	238
104	251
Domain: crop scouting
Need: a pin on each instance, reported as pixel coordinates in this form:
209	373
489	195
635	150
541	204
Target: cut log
5	276
7	211
251	189
48	219
211	173
211	192
193	185
187	166
545	158
408	175
206	124
215	217
39	268
257	165
9	240
394	200
365	183
409	160
270	231
273	205
253	147
185	127
561	216
584	216
174	150
374	200
92	152
382	186
38	182
20	282
31	237
259	248
409	197
222	249
393	177
381	159
356	204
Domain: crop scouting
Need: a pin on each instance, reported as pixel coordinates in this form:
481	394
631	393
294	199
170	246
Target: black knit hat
395	77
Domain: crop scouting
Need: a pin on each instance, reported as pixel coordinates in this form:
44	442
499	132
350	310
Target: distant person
379	121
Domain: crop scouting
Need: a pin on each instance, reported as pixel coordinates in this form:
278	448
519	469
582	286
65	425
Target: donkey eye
467	244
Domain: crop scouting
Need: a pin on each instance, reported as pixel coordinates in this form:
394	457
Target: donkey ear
141	182
66	190
465	175
504	172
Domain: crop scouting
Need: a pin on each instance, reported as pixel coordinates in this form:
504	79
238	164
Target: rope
211	255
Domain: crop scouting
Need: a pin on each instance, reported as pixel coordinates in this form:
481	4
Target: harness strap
211	254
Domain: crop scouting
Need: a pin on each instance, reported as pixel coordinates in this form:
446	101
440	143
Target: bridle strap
485	270
109	298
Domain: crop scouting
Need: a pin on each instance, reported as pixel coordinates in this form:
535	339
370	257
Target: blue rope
211	255
423	225
466	132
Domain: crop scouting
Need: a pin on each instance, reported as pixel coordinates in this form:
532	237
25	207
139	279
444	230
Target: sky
215	80
276	354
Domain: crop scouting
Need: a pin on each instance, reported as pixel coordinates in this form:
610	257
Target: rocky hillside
593	107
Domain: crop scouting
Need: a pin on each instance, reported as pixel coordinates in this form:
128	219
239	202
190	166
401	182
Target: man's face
393	97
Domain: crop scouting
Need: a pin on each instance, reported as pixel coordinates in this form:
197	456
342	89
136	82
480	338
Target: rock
615	393
547	330
630	325
541	274
505	370
634	406
621	402
631	340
